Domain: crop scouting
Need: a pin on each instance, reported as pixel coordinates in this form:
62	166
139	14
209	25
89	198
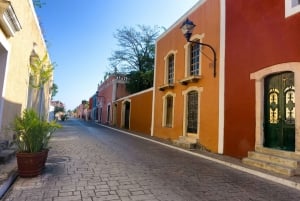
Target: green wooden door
279	110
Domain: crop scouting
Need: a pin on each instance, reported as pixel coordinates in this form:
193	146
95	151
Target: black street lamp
187	28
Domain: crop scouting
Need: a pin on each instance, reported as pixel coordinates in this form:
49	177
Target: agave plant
32	133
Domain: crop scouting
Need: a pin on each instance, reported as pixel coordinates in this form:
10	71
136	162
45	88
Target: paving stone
88	162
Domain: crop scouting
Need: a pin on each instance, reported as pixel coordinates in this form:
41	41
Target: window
108	114
194	58
171	69
192	112
169	111
292	7
295	3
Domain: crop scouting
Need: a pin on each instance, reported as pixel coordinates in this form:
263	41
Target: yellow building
186	89
21	39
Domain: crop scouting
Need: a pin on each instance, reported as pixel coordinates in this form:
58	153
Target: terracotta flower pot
31	164
45	151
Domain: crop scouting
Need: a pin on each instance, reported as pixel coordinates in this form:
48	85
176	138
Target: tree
136	55
54	90
38	3
41	71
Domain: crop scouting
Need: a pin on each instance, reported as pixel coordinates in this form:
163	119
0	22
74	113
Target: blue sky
80	38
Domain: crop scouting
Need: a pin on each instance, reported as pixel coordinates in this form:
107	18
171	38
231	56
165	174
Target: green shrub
32	133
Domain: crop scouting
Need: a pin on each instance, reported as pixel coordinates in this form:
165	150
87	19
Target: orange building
133	112
186	92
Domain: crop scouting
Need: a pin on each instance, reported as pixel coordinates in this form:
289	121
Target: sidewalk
8	172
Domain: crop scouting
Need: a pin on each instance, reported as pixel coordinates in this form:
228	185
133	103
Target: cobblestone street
90	162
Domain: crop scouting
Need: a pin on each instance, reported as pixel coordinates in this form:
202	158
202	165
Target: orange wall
206	17
140	111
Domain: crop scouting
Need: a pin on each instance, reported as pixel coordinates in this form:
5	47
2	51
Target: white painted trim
166	70
222	77
153	92
7	47
136	94
164	113
184	119
123	113
187	51
289	10
181	19
259	76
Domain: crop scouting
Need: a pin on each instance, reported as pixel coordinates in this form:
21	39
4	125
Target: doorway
279	110
127	115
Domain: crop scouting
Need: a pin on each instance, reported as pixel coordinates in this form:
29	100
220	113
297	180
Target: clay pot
31	164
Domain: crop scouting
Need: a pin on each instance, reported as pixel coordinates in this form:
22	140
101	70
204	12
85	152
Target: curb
7	183
269	177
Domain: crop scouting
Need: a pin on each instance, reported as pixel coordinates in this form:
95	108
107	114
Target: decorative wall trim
8	19
259	76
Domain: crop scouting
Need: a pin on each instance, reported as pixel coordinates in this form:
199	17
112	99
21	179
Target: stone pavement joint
98	163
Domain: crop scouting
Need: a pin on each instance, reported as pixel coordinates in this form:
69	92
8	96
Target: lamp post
187	28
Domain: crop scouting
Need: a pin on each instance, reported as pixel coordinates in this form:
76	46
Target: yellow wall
19	49
207	19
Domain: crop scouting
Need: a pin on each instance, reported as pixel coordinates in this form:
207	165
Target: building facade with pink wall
113	88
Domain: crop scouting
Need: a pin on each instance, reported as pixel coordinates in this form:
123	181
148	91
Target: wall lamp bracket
187	28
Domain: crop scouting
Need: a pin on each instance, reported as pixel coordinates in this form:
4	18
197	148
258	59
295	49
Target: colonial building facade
250	106
21	39
113	88
186	91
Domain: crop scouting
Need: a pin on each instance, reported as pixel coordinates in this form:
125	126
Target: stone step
285	154
6	155
186	142
187	139
275	159
185	145
270	167
3	144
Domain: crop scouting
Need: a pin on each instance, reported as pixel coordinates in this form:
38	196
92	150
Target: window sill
166	86
190	79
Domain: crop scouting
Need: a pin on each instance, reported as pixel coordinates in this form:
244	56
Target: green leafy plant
32	133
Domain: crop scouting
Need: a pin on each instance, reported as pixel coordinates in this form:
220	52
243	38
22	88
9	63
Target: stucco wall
19	49
140	111
257	36
206	16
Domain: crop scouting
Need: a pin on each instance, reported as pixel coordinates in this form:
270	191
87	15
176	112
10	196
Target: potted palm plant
32	135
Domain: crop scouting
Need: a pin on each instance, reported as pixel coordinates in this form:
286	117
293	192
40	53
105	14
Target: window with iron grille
194	59
169	111
171	69
192	112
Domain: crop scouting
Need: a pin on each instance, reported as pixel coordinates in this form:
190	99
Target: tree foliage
38	3
41	71
136	55
54	90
